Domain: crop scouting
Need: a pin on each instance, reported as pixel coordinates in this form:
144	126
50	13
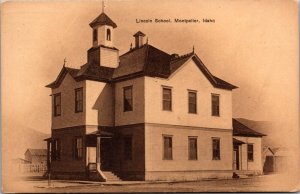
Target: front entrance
106	154
236	158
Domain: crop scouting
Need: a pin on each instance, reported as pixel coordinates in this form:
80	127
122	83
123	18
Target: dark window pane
167	99
78	148
108	34
79	100
128	148
57	104
95	35
250	152
127	98
167	148
192	102
215	105
216	148
193	149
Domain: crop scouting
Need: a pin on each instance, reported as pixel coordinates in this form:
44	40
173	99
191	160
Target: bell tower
103	51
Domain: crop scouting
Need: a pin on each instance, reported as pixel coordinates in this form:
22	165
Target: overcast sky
252	44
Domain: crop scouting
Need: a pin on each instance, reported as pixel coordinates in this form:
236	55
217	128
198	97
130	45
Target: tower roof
139	33
103	19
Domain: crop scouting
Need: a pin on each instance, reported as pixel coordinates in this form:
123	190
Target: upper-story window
108	35
167	99
95	35
127	98
216	148
192	102
215	104
57	104
79	100
250	152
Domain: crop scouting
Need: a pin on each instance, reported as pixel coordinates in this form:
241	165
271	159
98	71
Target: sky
252	44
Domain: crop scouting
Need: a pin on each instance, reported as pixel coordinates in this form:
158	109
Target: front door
236	158
106	153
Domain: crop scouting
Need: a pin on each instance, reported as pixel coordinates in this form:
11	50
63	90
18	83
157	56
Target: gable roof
37	152
143	61
240	129
103	19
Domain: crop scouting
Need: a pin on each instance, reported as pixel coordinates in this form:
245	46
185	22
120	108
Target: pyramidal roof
103	19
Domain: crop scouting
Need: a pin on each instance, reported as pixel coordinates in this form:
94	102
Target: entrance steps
240	174
111	176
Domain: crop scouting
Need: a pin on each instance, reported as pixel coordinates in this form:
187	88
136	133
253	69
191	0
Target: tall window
108	34
167	99
78	148
192	102
215	105
57	104
193	148
250	152
79	100
128	148
167	141
55	149
95	35
216	148
127	98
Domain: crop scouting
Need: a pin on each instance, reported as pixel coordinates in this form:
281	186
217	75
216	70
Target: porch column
48	155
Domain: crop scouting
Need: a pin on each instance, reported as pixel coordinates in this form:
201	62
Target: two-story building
144	115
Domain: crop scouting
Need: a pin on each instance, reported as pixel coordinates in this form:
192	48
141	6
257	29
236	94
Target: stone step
111	176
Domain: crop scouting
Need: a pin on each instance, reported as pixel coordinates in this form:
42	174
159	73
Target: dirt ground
269	183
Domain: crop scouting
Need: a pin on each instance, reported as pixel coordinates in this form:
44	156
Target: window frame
77	110
55	149
189	148
108	34
125	108
218	157
212	105
95	35
165	153
252	153
76	149
128	153
168	100
189	102
55	105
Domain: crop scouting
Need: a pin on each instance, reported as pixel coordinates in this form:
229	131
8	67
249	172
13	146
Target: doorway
106	154
236	157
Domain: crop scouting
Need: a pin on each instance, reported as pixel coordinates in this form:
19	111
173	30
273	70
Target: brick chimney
139	36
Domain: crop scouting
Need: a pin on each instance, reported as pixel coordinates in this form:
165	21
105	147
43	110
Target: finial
147	41
193	49
130	46
103	6
65	61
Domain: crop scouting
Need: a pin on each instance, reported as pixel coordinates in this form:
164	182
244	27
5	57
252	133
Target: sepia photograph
150	96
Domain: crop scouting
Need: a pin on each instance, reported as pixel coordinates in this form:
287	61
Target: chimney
139	39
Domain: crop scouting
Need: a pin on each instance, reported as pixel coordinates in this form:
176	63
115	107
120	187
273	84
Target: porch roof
237	142
101	133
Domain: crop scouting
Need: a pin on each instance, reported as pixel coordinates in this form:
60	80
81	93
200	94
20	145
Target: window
79	100
215	104
108	34
127	98
167	148
55	149
216	148
128	148
192	102
57	104
167	99
193	148
78	148
250	152
95	35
